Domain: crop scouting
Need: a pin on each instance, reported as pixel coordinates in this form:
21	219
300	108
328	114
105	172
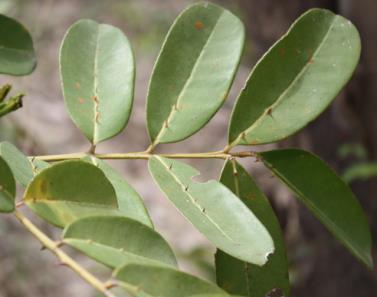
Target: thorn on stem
59	243
110	284
63	264
20	203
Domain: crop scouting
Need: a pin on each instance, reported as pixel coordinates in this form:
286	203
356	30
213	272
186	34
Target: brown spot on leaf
172	87
251	196
81	100
43	186
269	112
282	52
310	55
199	25
77	85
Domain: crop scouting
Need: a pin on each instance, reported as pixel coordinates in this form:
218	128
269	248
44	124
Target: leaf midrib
76	203
188	81
124	252
357	250
290	86
95	89
194	202
24	51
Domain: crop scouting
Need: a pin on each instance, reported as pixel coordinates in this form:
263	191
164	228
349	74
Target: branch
63	257
145	155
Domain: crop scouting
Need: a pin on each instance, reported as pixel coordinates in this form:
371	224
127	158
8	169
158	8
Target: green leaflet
97	73
70	190
326	195
194	72
18	163
242	278
214	210
296	79
130	203
116	241
17	56
155	281
7	187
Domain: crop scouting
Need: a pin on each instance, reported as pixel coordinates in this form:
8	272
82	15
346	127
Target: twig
64	259
146	155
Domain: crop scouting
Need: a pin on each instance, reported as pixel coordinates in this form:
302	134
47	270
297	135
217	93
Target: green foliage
7	187
19	164
129	202
360	171
97	71
70	190
105	218
194	72
155	281
17	56
116	241
244	278
214	210
326	195
12	103
296	79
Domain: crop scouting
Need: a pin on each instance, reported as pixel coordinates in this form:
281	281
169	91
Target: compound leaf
296	79
214	210
116	241
155	281
130	203
194	72
97	73
17	56
326	196
70	190
7	187
238	277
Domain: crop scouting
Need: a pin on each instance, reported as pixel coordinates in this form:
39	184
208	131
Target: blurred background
345	136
